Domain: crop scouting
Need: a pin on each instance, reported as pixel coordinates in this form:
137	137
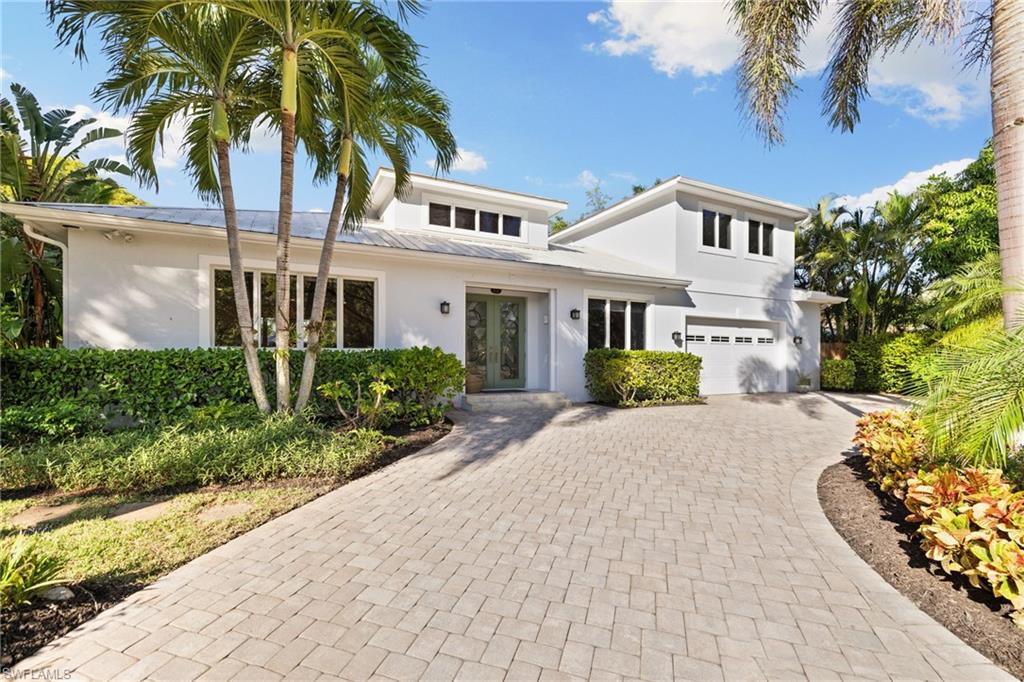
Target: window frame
734	220
630	300
763	220
477	207
208	292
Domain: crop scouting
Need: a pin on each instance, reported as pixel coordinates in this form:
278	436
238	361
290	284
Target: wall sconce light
677	336
495	291
574	313
446	307
798	340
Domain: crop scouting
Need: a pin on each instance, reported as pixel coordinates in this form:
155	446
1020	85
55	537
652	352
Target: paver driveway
680	542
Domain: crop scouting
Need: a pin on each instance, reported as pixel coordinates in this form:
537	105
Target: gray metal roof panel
313	226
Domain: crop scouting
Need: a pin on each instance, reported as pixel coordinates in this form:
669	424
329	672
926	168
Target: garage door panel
737	356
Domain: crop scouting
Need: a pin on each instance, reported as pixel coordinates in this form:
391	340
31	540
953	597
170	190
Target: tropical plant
773	32
895	448
25	572
40	161
399	111
190	65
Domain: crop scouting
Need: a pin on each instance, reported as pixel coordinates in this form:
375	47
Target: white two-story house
684	266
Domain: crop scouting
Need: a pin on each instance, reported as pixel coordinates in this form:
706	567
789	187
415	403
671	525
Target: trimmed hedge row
886	362
837	375
642	377
154	385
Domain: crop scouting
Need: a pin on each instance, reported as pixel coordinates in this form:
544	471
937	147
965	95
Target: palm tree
313	43
188	64
400	111
772	33
46	167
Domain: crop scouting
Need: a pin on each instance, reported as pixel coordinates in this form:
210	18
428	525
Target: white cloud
624	176
5	75
908	183
587	179
926	82
466	161
534	179
316	210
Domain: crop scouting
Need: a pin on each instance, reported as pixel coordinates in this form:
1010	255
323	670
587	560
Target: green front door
495	341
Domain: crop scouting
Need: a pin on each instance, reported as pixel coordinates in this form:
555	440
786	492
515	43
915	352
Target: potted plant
803	382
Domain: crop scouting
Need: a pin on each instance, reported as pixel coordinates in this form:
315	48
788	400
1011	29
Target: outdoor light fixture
446	307
495	291
574	313
798	340
677	336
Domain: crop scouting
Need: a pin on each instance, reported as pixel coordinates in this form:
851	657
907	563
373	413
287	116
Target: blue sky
549	98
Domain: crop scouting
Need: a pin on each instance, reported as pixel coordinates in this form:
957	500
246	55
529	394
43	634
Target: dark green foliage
196	451
642	377
837	375
160	386
886	362
49	421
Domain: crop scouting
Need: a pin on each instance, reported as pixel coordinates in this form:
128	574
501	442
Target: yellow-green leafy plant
25	571
894	445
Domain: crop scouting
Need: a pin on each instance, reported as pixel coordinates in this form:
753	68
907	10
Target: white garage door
738	356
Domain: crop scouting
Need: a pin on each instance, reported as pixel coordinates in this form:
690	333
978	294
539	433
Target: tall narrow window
596	323
617	324
225	317
709	228
440	214
637	325
724	231
329	333
358	312
268	309
768	233
753	236
760	238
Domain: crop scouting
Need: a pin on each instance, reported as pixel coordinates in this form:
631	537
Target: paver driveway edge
874	588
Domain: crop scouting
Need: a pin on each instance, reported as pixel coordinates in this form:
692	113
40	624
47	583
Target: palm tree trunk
316	324
282	289
1008	145
245	325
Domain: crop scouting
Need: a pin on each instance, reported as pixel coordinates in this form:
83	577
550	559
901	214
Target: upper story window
760	237
350	300
473	220
616	324
717	233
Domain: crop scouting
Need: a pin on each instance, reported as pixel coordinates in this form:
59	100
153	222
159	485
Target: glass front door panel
476	343
509	340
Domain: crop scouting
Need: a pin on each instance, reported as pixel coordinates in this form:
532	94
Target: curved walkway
674	542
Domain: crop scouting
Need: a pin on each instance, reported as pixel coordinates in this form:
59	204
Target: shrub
161	386
25	571
191	453
49	421
837	375
885	362
642	377
894	445
972	522
370	409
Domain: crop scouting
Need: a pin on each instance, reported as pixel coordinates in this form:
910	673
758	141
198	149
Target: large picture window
352	301
613	323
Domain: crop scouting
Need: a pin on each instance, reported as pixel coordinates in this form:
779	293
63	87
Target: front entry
495	342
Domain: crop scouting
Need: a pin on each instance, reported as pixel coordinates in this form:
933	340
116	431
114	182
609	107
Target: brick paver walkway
676	542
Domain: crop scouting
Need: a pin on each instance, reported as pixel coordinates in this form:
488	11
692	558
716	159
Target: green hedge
837	375
157	385
642	377
885	362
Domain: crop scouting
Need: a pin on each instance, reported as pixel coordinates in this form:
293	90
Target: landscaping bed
873	524
116	543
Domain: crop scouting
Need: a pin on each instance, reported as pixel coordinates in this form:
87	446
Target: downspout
65	280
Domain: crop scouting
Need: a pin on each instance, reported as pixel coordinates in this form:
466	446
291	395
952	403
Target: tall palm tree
772	33
39	161
312	43
400	111
194	65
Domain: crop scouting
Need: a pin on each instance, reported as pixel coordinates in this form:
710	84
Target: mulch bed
872	523
24	631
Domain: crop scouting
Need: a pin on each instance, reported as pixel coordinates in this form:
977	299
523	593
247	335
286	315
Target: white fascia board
384	184
104	222
702	190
